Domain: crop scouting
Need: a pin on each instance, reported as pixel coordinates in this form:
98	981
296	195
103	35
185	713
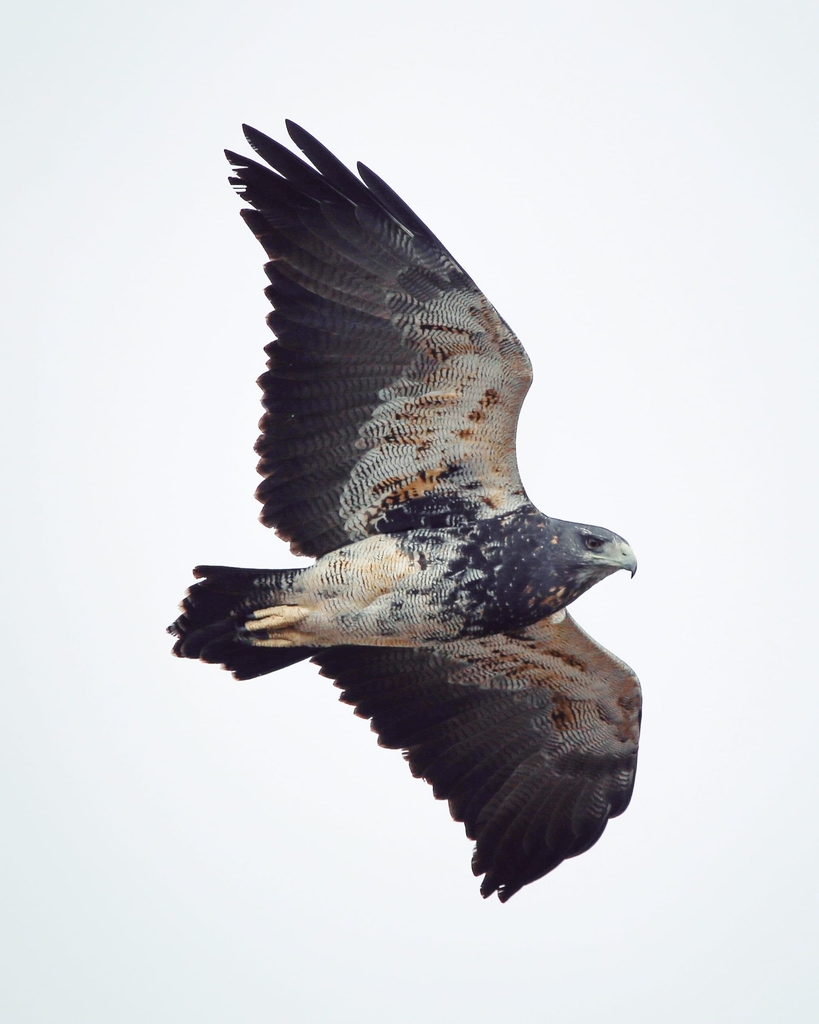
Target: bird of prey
437	601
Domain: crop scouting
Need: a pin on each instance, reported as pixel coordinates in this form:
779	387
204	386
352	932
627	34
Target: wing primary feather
263	188
332	168
509	862
292	167
395	205
475	789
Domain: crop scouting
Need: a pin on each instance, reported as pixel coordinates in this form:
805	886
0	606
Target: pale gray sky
634	185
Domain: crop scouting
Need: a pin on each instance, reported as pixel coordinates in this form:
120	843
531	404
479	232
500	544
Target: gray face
590	553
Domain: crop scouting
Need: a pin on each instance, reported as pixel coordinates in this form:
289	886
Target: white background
635	186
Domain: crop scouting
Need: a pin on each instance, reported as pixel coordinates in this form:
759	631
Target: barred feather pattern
530	736
393	386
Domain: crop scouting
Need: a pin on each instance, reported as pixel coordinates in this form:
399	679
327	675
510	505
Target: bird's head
588	554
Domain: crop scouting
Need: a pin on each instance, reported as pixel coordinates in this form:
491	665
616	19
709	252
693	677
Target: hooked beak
628	560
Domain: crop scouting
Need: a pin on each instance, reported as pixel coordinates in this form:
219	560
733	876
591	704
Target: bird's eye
593	543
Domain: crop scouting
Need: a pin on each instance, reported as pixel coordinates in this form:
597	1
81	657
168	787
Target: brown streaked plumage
437	601
385	350
531	737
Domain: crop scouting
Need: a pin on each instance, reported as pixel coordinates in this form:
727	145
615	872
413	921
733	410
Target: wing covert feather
531	737
387	356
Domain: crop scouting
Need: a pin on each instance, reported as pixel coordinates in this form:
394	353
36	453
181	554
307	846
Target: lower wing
531	737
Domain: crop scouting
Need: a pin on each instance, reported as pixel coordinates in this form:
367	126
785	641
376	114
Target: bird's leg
271	626
278	617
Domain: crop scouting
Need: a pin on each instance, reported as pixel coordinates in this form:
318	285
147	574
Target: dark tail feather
246	662
214	613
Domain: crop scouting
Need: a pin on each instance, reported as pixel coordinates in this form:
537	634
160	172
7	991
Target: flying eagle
437	601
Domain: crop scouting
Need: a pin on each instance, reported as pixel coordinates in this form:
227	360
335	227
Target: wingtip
235	159
294	130
307	143
257	140
487	890
367	175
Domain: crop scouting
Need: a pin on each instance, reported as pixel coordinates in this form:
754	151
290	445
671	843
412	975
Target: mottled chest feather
502	573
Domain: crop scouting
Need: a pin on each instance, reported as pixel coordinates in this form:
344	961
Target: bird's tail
215	613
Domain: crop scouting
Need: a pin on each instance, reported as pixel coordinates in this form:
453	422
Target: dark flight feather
486	723
370	304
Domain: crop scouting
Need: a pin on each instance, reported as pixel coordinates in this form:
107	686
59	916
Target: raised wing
531	737
393	387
